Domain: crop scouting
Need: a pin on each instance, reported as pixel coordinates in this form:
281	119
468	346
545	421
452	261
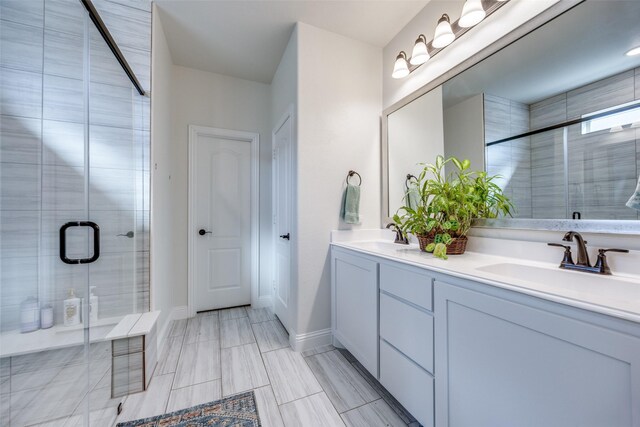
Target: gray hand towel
412	197
350	211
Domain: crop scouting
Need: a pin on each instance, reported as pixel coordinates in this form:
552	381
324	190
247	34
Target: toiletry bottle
46	316
72	309
29	315
93	306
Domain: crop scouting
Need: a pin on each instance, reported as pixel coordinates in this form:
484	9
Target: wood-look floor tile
233	313
318	350
242	369
149	403
345	387
202	328
263	314
178	327
169	360
291	377
268	407
199	362
235	332
374	414
198	394
386	396
312	411
270	335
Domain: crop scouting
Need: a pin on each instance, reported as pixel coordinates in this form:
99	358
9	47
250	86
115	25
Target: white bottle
93	306
71	309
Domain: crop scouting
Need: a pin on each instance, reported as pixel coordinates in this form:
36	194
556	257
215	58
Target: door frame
287	115
254	139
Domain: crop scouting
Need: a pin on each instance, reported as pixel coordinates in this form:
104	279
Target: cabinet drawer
408	283
408	329
412	386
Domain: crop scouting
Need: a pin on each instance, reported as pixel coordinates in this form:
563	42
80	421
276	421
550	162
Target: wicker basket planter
457	246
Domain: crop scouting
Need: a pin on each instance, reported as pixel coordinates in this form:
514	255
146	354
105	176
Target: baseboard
303	342
177	313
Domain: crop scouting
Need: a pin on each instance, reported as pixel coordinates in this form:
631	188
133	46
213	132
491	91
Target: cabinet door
355	307
502	363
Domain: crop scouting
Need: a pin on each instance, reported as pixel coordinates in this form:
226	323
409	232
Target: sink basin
593	284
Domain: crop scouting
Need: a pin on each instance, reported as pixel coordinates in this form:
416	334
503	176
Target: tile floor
221	353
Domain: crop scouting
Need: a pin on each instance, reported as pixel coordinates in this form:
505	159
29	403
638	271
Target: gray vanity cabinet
354	305
504	360
406	338
460	353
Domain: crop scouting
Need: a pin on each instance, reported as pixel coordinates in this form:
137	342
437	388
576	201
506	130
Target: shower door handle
63	242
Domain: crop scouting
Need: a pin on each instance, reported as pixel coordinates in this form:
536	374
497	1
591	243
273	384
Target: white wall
416	135
284	94
209	99
503	21
163	272
339	99
464	131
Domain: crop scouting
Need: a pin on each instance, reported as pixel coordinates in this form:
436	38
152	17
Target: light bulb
400	68
444	34
472	13
420	53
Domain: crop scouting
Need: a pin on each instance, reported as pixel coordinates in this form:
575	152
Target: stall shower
74	202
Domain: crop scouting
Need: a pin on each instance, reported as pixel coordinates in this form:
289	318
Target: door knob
285	236
128	234
202	232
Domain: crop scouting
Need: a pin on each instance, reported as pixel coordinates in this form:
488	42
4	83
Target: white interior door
282	144
221	226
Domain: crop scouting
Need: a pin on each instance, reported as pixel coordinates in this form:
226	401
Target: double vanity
485	339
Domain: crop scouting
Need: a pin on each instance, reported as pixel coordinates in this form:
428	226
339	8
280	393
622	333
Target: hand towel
634	201
412	197
350	211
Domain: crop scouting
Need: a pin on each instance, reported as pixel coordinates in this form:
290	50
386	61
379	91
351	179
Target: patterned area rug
235	411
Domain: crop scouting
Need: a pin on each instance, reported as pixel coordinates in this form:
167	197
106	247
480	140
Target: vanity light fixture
401	67
420	53
444	33
472	13
633	52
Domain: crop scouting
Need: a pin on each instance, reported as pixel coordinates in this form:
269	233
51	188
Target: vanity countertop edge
466	267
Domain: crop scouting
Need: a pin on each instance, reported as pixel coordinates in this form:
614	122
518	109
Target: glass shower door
73	163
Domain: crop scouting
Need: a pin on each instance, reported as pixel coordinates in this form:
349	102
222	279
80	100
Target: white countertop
617	296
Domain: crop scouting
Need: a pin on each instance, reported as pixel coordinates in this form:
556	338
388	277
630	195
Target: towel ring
350	174
406	181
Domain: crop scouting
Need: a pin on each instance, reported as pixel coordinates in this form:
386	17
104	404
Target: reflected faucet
401	237
583	255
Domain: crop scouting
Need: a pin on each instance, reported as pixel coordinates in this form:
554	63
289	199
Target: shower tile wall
511	160
602	166
42	154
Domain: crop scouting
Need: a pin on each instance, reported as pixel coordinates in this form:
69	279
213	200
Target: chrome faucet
401	237
583	264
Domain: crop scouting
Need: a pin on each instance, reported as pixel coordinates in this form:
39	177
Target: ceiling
571	51
246	39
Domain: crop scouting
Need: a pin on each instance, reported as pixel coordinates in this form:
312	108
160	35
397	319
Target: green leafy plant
448	203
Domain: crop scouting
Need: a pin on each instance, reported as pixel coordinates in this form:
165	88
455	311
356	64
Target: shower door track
106	35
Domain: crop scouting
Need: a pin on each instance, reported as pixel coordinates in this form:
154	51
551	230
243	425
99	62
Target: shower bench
134	353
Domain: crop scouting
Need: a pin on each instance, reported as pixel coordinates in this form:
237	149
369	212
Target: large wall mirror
555	113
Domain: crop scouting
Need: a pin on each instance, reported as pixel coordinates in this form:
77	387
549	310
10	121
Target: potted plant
448	204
